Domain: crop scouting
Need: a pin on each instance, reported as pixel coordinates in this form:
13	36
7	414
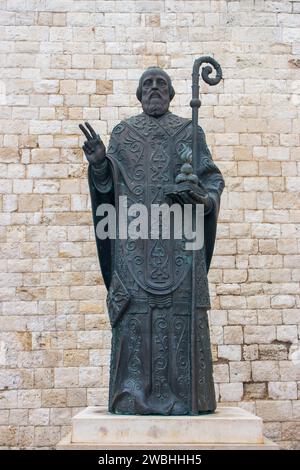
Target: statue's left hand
190	193
191	197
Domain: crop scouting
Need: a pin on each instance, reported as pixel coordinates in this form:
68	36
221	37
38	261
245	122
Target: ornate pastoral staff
195	104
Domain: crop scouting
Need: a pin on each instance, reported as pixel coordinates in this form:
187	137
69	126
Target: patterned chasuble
150	297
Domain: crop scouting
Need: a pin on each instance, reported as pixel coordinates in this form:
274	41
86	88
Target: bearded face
155	94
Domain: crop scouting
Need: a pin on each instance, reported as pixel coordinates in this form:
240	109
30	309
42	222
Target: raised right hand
94	148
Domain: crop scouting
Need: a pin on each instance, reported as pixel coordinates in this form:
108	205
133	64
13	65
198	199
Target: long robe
158	293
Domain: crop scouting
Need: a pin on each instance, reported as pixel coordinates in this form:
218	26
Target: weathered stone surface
291	431
283	390
265	371
240	371
235	425
255	391
231	392
273	351
274	410
259	334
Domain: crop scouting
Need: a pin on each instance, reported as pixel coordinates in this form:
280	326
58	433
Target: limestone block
282	390
116	429
265	371
231	392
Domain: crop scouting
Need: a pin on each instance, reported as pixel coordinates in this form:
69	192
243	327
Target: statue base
228	428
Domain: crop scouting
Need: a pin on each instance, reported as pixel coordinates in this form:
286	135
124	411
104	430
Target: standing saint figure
151	299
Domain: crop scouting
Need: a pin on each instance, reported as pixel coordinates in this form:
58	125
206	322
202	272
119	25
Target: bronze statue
158	293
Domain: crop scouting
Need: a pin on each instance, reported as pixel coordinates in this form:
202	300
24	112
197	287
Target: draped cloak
152	297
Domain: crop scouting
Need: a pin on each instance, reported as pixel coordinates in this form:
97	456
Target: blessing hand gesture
94	148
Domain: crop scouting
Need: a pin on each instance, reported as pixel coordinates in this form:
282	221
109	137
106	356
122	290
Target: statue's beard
155	106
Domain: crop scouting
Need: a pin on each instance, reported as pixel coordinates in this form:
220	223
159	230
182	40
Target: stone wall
66	61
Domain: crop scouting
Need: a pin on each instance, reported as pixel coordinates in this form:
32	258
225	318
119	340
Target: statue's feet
139	403
179	409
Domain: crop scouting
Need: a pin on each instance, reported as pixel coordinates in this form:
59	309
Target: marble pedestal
227	428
